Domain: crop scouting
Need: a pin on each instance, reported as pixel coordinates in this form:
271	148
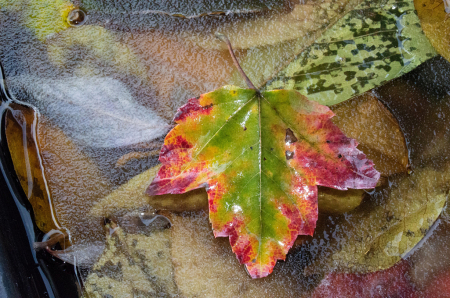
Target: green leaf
260	156
375	42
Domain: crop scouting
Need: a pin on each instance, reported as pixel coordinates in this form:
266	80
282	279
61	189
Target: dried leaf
260	168
132	265
433	17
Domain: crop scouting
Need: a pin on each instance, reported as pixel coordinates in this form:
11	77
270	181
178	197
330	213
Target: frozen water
108	88
93	111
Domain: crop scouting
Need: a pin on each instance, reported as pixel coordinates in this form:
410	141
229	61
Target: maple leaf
260	155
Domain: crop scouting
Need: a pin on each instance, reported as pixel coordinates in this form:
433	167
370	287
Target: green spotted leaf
375	42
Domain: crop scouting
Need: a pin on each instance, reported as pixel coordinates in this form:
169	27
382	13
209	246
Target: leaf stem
225	39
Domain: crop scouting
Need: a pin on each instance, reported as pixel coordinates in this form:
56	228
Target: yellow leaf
43	17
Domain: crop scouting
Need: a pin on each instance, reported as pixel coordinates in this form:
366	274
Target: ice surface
93	111
108	86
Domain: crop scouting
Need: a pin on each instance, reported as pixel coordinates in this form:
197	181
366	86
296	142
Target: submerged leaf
74	181
435	23
260	156
334	201
132	194
377	237
196	253
375	42
96	112
43	17
303	24
393	282
379	135
76	48
131	264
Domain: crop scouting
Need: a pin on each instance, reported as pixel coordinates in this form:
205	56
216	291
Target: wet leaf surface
434	20
355	118
21	125
162	61
260	156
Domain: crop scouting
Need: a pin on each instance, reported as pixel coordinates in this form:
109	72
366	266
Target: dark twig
236	63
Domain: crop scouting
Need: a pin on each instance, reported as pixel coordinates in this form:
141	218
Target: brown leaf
74	181
435	24
379	135
124	159
20	130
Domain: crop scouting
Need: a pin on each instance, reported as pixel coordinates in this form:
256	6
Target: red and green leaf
260	156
